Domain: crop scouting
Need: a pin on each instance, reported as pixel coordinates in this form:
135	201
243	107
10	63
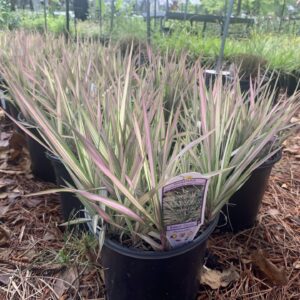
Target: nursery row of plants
275	52
148	150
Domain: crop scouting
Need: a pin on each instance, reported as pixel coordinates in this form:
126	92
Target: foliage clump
248	65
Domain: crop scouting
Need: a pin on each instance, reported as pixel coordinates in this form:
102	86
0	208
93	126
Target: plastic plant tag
183	201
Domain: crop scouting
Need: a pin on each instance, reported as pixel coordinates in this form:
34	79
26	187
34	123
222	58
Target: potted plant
27	48
126	147
141	180
242	208
249	67
246	143
43	165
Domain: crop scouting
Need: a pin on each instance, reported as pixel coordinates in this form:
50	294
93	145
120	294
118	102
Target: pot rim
158	255
28	124
52	156
273	160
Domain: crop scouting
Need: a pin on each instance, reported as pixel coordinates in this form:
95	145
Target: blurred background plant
8	19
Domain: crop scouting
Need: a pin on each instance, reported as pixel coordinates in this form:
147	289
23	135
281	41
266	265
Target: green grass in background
281	51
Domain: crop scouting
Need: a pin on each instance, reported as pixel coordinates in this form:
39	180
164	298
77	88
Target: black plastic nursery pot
244	85
70	204
12	110
290	83
41	166
132	274
242	209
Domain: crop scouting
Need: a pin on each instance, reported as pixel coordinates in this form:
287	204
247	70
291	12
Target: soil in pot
241	211
70	205
148	275
41	166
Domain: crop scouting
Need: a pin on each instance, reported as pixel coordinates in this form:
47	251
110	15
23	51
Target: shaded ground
41	260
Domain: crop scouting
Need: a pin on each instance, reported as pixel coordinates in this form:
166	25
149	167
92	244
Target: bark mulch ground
41	260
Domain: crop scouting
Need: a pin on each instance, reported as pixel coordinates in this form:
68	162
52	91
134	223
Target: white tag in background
183	200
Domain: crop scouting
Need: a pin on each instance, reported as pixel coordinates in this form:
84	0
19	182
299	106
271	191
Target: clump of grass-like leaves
246	130
123	129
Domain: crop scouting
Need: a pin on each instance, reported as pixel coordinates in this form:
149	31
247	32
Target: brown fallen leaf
275	274
4	135
4	236
3	195
3	210
4	183
296	265
295	120
13	196
216	279
4	278
4	144
17	141
295	219
66	280
33	202
273	212
246	261
15	156
49	236
292	150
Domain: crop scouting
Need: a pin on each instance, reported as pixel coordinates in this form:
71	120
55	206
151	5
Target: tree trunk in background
276	6
282	14
148	21
13	5
257	7
112	15
81	9
67	19
36	4
186	8
239	7
225	7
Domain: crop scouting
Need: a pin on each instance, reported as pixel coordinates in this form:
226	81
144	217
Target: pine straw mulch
41	260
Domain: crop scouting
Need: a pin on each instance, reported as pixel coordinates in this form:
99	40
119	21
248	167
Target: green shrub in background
281	52
8	19
4	11
36	22
124	27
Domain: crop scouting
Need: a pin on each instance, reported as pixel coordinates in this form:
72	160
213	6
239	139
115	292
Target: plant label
183	201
